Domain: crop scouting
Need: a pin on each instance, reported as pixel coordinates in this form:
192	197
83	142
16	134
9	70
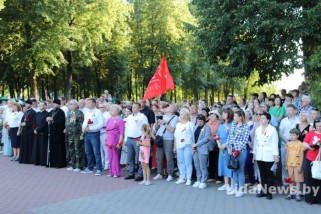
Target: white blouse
265	144
183	134
14	119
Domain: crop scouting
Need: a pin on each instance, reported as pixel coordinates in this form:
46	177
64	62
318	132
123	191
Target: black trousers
267	176
213	165
311	183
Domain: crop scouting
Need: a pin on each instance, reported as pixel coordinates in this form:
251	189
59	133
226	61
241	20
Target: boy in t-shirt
294	162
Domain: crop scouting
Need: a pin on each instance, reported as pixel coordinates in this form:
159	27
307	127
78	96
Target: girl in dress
144	153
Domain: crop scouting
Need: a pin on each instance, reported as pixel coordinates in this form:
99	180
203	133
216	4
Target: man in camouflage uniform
74	123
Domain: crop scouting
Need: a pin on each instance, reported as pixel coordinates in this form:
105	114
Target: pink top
115	126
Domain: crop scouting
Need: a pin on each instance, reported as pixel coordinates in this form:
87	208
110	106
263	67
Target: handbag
159	138
211	144
159	141
233	163
316	167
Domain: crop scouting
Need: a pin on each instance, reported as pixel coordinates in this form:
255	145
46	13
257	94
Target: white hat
216	113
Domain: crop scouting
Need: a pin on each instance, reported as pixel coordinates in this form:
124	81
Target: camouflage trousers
76	151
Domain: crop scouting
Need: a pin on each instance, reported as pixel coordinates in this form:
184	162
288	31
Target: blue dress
222	132
7	149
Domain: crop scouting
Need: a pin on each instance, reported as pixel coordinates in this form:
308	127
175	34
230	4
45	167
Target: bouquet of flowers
90	122
236	153
27	118
288	180
316	142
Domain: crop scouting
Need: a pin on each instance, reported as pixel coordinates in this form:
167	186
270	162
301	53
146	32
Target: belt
93	131
133	138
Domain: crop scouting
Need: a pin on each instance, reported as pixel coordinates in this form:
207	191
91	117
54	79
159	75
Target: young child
294	161
144	153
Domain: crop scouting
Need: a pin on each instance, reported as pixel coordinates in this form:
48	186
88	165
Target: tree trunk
11	91
98	85
34	87
68	77
129	86
55	87
2	89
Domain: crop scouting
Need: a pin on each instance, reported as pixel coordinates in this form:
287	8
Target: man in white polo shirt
92	124
286	125
133	133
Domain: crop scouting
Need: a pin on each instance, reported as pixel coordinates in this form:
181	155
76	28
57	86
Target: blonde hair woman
14	120
304	126
183	138
115	128
7	149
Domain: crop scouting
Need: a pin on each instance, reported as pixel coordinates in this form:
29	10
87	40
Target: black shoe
269	196
130	177
139	178
260	195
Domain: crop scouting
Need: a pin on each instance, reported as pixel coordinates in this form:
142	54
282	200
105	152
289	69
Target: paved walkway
35	189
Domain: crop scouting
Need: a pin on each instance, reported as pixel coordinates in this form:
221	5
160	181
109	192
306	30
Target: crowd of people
241	144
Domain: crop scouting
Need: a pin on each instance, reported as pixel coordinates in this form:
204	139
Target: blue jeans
92	150
132	155
184	162
283	158
238	175
249	166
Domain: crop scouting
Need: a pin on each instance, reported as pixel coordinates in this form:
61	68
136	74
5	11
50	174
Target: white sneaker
231	192
142	182
70	169
202	186
158	177
106	168
224	187
169	178
239	194
196	184
147	183
188	183
77	170
180	181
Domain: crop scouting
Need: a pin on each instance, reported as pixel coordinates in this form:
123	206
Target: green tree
158	29
260	35
43	37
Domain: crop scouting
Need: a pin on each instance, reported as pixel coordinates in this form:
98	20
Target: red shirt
311	154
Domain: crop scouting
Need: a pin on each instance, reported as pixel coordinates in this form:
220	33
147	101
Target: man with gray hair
306	104
73	129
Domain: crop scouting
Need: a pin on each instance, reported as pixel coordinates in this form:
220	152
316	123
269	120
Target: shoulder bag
316	167
159	138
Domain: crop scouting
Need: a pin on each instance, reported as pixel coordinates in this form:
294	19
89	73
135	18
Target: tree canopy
79	48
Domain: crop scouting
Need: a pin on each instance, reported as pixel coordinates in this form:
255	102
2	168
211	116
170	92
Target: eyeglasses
101	107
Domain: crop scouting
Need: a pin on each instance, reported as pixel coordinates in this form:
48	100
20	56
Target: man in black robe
27	126
56	122
40	146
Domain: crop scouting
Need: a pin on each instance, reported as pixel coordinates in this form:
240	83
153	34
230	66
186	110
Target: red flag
160	82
